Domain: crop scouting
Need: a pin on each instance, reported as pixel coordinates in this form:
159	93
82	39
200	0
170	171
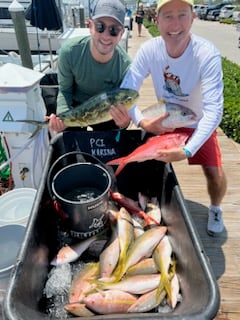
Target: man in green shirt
93	64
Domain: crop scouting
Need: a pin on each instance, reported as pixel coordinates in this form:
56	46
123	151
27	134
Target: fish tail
118	272
114	161
39	124
121	164
164	284
159	291
35	132
119	169
149	220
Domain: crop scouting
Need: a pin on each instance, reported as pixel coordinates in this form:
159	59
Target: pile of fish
135	270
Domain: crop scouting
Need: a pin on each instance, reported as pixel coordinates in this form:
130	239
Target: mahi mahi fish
178	116
93	111
149	149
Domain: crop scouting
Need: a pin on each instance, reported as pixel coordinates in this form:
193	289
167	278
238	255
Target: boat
75	15
42	62
5	17
72	11
38	39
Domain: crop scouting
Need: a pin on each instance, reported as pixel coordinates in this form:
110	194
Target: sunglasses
113	30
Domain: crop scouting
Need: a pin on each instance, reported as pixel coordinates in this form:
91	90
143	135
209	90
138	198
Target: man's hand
120	115
155	125
55	123
170	155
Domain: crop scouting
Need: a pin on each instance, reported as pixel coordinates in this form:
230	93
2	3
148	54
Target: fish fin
94	287
107	279
99	290
78	309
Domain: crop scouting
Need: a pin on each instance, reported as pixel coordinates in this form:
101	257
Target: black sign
104	145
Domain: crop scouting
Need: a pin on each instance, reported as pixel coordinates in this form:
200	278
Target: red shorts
209	155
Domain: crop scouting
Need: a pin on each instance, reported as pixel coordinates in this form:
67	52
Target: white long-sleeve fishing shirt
193	80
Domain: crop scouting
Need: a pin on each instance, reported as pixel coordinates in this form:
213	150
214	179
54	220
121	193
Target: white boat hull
47	39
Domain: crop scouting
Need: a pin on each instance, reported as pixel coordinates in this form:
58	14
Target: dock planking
223	251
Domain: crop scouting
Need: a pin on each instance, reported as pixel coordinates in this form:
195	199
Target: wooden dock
223	251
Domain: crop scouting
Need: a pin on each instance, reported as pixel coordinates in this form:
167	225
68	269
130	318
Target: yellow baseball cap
163	2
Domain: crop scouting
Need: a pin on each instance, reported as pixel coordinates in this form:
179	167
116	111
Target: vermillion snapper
93	111
179	116
149	150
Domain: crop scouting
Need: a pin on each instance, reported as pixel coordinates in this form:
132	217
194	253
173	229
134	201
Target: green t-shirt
80	77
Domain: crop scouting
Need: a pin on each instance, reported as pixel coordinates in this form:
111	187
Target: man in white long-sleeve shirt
185	69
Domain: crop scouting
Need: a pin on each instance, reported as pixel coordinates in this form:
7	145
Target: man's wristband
187	152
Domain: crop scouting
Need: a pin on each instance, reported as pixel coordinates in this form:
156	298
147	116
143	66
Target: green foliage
231	78
152	27
147	23
231	116
227	21
154	32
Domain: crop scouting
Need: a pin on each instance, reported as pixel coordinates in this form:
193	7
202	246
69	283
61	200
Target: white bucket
11	237
16	206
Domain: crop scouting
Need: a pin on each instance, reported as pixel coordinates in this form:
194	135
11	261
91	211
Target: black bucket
81	191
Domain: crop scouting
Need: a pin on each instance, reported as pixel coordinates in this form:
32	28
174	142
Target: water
83	194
